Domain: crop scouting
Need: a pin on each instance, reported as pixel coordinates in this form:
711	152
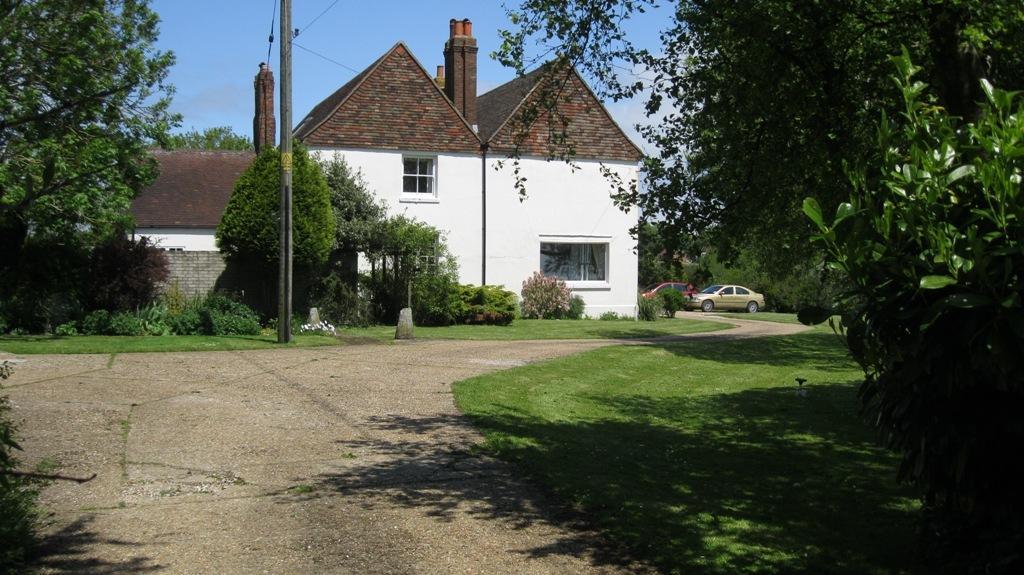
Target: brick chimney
263	123
460	68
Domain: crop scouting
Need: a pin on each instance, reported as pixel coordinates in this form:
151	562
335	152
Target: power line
273	15
331	60
313	21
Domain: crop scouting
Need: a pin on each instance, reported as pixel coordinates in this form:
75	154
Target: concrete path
326	460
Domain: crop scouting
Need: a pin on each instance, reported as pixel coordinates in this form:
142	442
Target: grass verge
531	329
701	457
36	344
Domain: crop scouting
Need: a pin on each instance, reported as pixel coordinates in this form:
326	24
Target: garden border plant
18	495
932	241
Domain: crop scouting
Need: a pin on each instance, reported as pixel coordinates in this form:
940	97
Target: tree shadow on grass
72	549
822	351
637	333
760	481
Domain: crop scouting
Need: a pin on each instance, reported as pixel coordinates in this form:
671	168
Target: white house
431	148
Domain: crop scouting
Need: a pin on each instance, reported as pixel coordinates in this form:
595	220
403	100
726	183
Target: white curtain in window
574	262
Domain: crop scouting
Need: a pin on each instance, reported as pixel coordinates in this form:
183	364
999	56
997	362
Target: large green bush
125	323
338	301
249	231
96	323
435	299
486	304
221	315
933	244
670	301
185	322
577	308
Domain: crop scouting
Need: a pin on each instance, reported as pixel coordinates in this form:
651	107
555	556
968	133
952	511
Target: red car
683	288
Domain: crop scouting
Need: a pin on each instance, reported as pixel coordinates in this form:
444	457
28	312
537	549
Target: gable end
590	130
393	105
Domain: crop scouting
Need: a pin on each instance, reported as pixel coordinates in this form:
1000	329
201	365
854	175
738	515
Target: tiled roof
191	190
394	104
322	111
494	107
591	131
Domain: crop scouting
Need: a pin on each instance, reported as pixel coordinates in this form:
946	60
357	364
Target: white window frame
419	197
582	285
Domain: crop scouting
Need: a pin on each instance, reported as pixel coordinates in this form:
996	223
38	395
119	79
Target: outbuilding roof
191	190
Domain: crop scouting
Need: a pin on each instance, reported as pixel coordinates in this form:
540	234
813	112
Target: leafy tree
655	263
125	274
215	138
248	230
764	101
358	216
83	93
405	251
82	96
932	240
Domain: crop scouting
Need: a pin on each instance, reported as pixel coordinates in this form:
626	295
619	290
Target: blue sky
220	43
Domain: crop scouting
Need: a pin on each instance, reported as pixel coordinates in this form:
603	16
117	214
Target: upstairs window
575	262
419	177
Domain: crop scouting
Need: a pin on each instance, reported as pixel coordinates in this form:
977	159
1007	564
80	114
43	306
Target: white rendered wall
455	209
563	206
185	239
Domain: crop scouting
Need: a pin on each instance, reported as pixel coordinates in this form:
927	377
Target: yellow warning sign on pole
286	161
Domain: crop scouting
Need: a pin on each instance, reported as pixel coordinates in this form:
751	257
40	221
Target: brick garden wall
204	272
195	272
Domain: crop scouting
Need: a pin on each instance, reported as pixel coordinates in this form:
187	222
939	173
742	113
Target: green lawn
700	457
522	329
34	344
518	330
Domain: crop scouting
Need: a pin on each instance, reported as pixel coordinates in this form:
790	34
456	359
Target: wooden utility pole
284	284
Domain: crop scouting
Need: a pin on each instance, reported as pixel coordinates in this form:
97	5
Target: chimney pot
460	53
263	121
451	28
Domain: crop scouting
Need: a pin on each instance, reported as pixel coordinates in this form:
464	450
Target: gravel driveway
347	459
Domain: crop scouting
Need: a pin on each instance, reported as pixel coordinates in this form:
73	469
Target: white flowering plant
322	328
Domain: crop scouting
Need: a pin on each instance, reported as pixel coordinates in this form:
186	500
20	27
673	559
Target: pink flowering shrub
545	297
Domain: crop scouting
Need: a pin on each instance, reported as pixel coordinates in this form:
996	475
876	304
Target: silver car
726	297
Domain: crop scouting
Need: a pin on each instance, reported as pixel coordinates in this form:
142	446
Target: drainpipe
483	215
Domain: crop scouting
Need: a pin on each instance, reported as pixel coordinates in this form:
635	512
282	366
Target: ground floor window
574	262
